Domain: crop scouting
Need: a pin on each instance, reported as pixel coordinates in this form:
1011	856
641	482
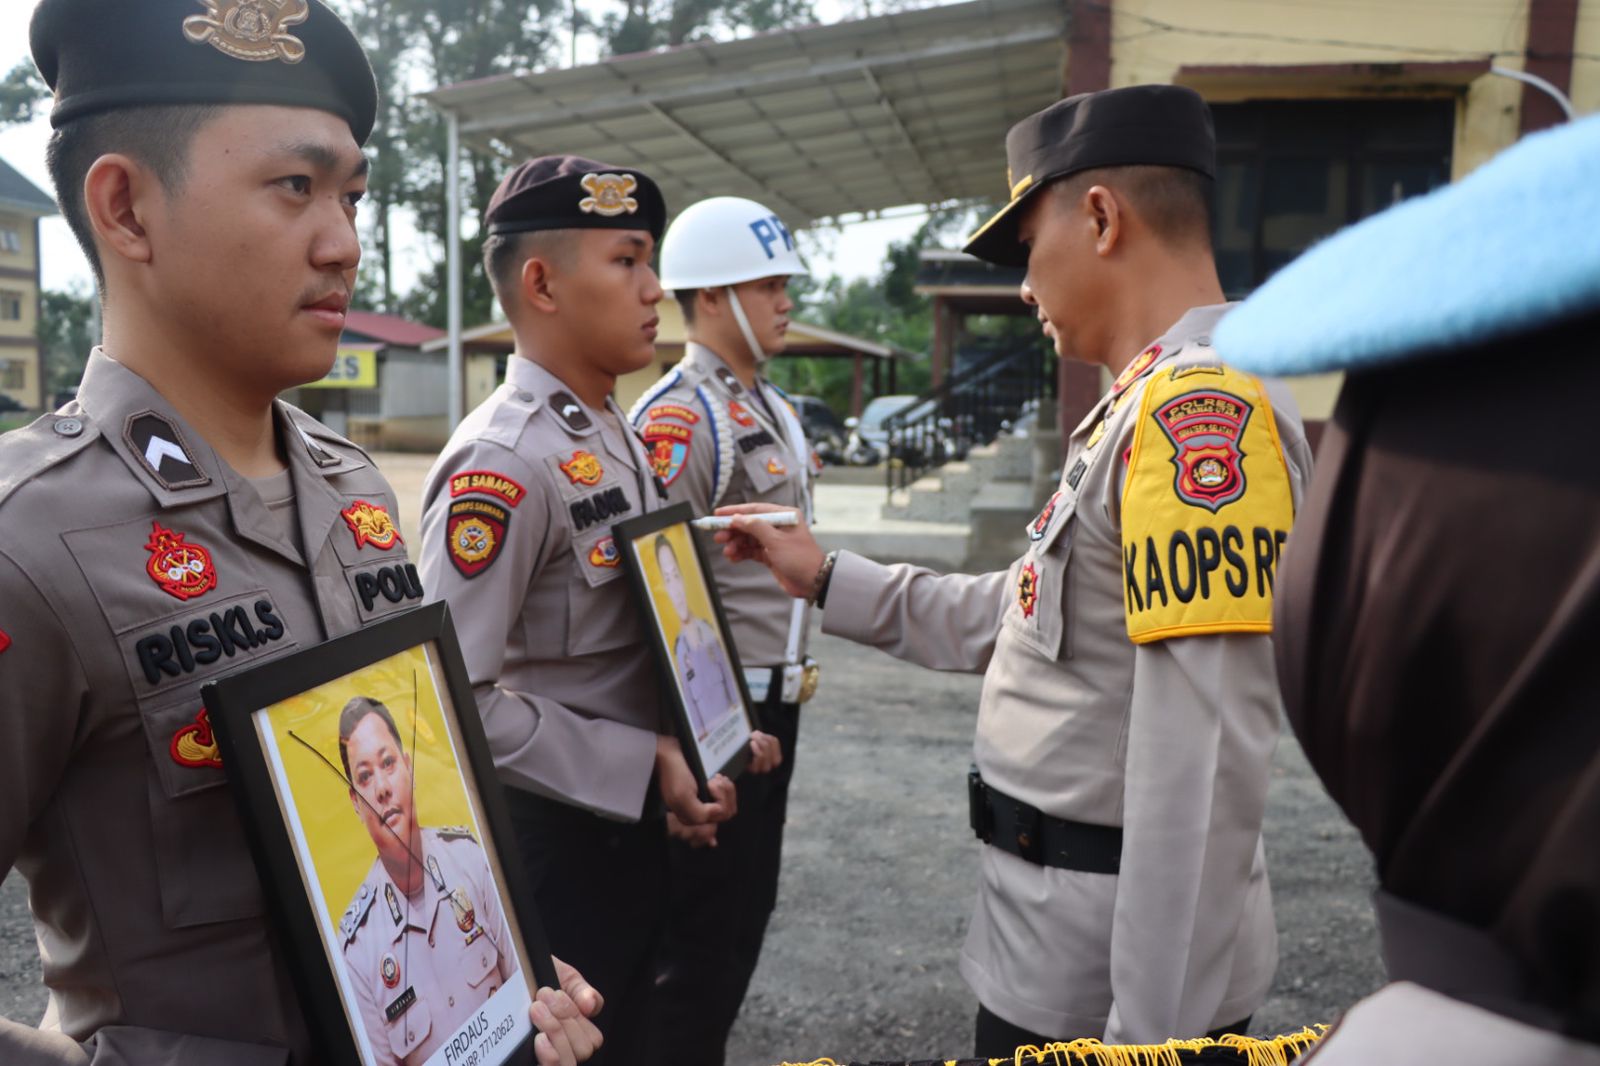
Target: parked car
870	437
823	428
8	405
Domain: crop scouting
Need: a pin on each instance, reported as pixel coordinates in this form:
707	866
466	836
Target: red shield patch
183	570
1205	428
5	640
667	458
476	532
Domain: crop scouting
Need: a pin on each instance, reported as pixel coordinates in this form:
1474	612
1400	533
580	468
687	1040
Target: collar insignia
394	903
254	30
571	411
183	571
1131	372
371	524
1027	590
193	745
609	194
729	382
319	455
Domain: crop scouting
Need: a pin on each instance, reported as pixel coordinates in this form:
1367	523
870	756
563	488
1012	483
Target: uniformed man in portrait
1440	600
516	536
1129	708
720	432
177	522
439	944
705	677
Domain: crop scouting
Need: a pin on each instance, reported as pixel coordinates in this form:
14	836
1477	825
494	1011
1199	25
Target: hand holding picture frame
699	664
366	787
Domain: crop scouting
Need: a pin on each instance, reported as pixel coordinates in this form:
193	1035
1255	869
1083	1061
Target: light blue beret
1512	247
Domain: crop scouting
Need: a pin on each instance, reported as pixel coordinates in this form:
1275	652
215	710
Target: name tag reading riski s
1206	508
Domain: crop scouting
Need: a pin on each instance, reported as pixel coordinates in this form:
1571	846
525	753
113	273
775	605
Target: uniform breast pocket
767	470
383	590
601	612
1038	610
202	862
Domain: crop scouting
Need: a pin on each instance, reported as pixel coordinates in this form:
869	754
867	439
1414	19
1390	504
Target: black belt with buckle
1029	833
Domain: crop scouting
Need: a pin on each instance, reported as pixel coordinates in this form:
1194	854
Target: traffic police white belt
797	682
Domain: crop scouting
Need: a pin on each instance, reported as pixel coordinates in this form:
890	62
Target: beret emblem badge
254	30
609	194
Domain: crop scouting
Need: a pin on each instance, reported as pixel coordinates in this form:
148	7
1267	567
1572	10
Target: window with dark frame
13	374
1290	172
10	306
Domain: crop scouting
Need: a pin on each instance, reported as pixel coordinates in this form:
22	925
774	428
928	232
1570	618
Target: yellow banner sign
353	368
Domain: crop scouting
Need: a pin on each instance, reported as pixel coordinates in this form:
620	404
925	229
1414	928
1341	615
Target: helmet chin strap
762	356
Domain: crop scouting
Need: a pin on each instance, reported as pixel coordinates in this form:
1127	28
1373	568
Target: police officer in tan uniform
516	532
720	432
1129	709
176	522
427	960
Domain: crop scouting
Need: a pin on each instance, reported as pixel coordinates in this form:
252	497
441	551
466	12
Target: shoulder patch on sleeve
1206	508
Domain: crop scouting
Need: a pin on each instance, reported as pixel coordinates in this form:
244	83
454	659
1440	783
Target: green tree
67	330
20	92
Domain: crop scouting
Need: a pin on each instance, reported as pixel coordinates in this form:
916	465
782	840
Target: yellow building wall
1152	39
1585	91
23	262
1251	32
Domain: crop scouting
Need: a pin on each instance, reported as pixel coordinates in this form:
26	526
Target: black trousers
719	901
997	1038
599	886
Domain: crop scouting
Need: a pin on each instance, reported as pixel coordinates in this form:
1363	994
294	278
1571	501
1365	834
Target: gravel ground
879	871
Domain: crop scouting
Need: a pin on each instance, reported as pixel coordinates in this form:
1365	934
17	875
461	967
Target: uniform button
1024	840
1204	341
484	960
69	427
524	396
409	1037
452	1001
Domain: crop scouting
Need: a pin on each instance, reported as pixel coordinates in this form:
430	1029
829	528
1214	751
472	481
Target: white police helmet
724	241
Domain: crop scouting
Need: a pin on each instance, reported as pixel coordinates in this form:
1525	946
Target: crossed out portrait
386	826
701	667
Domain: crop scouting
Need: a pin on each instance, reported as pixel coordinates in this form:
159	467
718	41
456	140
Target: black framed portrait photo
368	793
694	649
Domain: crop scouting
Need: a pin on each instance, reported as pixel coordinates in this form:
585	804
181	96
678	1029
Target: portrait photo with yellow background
335	836
694	581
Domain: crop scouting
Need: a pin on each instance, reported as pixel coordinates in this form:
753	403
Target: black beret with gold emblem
570	192
100	55
1141	125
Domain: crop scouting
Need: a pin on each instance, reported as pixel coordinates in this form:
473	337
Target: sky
855	249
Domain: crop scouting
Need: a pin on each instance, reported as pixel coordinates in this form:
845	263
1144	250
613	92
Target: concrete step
1000	514
934	500
898	506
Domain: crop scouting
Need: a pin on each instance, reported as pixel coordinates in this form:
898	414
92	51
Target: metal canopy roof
906	108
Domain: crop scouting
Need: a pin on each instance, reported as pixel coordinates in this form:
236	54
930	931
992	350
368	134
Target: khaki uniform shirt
1170	740
446	949
516	536
135	565
705	431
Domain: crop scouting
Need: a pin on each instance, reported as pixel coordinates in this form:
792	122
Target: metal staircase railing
966	410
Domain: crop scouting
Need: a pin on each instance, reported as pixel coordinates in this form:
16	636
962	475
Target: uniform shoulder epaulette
509	418
356	913
46	442
455	832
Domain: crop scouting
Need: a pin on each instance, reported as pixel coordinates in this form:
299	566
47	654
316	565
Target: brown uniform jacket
706	432
1170	740
135	565
516	537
